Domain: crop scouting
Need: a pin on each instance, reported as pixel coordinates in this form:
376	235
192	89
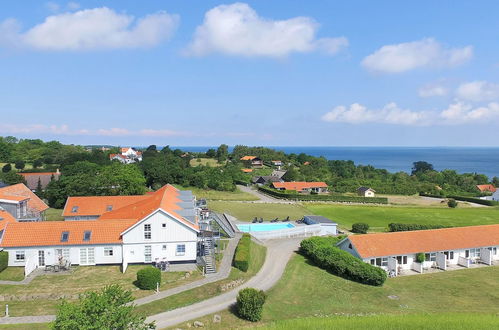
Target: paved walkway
278	254
27	279
263	198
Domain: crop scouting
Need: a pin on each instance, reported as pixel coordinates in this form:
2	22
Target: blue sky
336	73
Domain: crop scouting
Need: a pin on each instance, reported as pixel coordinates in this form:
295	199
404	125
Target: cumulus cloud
456	113
91	29
237	29
432	90
478	91
425	53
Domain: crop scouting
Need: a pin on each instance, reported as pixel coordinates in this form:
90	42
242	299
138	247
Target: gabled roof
97	205
5	218
364	189
19	192
247	170
411	242
249	158
112	156
298	185
486	187
44	178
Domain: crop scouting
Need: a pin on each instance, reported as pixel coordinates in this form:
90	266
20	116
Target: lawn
53	215
81	280
210	290
31	326
205	162
378	217
216	195
306	291
248	211
12	274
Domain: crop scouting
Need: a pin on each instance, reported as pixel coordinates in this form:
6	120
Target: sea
483	160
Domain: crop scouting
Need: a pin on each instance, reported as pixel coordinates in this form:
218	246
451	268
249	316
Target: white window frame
179	251
108	251
147	253
20	256
147	231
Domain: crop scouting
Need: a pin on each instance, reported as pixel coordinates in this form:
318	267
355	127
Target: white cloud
237	29
90	29
425	53
52	6
461	113
478	91
432	90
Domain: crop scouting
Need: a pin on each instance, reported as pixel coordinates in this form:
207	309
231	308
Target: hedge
330	198
4	260
148	277
412	226
465	199
323	252
360	228
250	304
242	254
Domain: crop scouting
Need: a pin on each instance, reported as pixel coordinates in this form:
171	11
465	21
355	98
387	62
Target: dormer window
109	208
87	235
74	209
65	236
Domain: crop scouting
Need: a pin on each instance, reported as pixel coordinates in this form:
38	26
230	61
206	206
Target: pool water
264	227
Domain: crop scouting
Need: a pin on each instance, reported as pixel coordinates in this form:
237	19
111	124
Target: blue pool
264	227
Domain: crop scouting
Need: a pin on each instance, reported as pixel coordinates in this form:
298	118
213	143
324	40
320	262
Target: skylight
65	236
86	235
74	209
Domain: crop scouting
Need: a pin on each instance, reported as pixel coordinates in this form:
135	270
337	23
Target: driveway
263	198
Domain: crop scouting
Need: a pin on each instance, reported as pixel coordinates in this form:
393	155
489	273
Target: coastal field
267	211
215	195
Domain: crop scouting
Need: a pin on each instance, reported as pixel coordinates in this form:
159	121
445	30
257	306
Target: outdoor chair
261	220
255	220
56	268
49	268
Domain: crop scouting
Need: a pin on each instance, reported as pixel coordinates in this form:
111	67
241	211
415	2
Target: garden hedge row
465	199
148	277
412	226
250	304
330	198
323	252
4	260
242	254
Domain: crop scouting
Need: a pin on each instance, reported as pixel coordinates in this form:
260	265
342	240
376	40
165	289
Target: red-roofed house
22	203
252	161
486	188
44	178
127	156
302	187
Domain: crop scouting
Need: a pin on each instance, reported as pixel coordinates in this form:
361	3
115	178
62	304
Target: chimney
57	171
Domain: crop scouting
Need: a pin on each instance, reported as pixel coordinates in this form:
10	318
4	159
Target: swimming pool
264	227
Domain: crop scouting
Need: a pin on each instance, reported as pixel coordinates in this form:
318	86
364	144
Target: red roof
248	157
97	205
298	186
486	187
434	240
247	170
19	192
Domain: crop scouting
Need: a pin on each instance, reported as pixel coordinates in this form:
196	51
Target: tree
360	228
12	178
37	163
495	181
452	203
222	152
39	190
108	309
250	304
7	168
20	164
211	153
421	167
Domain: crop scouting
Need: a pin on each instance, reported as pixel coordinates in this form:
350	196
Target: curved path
278	254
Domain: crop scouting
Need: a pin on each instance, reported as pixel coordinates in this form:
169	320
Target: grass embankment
12	274
306	290
216	195
54	215
378	217
82	279
192	296
248	211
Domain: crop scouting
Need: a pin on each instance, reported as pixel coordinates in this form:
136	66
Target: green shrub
420	257
412	226
324	253
452	203
148	277
242	254
360	228
250	304
4	260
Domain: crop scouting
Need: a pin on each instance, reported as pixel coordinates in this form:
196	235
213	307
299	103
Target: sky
287	73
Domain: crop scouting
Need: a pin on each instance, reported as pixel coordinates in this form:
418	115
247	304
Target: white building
161	226
366	192
127	156
328	226
442	248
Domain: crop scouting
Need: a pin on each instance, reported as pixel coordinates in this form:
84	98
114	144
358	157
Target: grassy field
12	274
378	217
248	211
81	280
205	162
308	291
216	195
209	290
54	214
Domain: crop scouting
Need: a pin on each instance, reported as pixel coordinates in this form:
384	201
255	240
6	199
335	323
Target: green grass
205	162
82	279
216	195
378	217
53	215
248	211
12	274
192	296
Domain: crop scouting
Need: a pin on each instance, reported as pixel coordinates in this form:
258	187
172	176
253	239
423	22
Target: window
108	251
20	256
163	225
164	247
467	253
147	253
350	246
431	256
109	208
86	235
378	261
74	209
373	262
402	260
384	262
180	250
449	255
65	236
62	254
147	231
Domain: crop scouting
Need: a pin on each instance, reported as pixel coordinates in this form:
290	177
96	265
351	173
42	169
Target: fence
301	231
30	266
465	262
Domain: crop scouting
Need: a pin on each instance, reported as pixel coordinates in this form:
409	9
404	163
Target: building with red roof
301	186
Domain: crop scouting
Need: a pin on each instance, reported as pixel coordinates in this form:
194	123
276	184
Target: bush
420	257
452	203
323	252
242	254
148	277
250	304
4	260
360	228
412	226
7	168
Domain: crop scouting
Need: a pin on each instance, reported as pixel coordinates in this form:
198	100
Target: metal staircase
224	223
209	255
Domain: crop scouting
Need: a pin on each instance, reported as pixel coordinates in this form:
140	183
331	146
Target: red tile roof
5	218
411	242
20	192
486	187
248	157
97	205
247	170
298	186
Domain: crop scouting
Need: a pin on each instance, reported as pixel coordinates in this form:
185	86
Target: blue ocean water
484	160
